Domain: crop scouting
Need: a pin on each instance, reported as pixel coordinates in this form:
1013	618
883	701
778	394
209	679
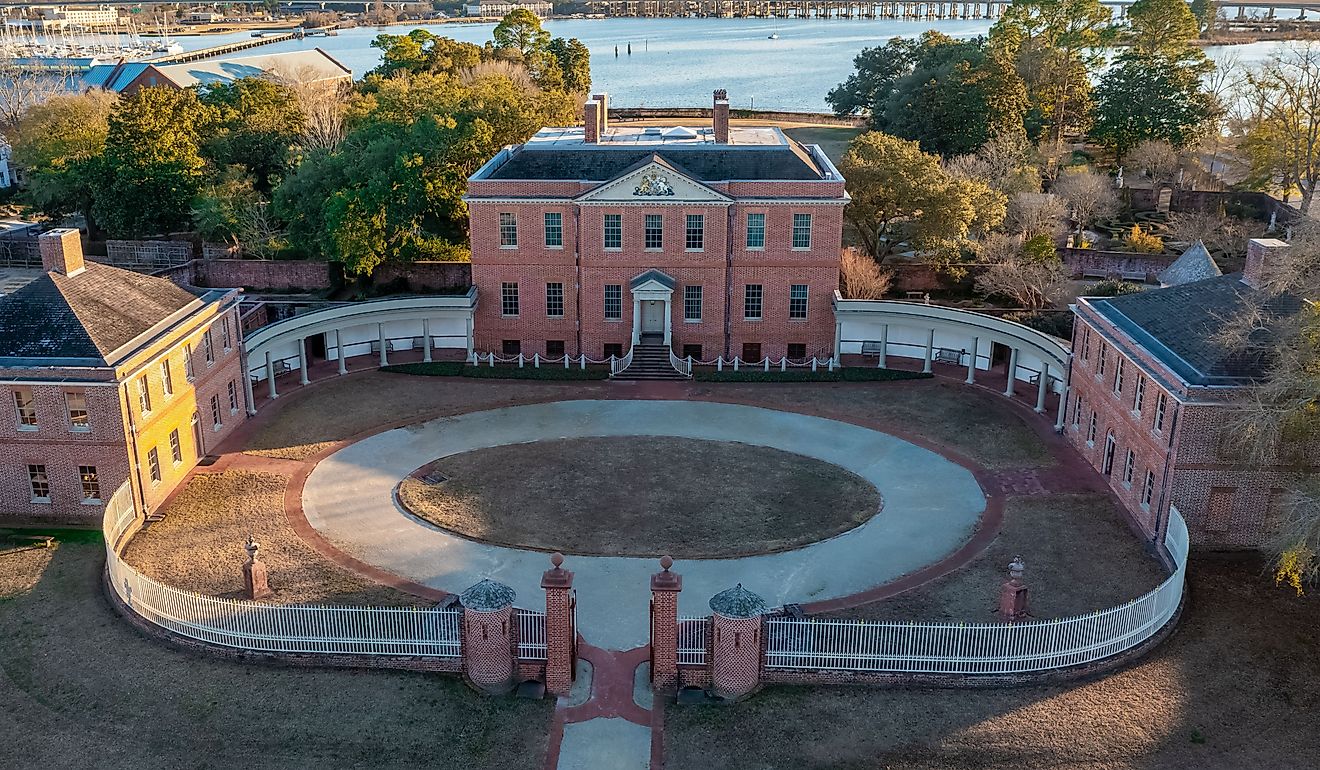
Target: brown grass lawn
80	688
974	423
20	566
642	496
339	409
199	546
1236	687
1080	556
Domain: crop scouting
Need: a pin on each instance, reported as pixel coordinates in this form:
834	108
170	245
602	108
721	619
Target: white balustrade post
783	364
582	361
384	346
270	376
566	359
884	346
669	323
1042	387
637	321
536	360
339	345
735	363
426	340
813	363
719	363
520	360
247	386
492	359
767	363
1012	372
971	361
930	351
302	361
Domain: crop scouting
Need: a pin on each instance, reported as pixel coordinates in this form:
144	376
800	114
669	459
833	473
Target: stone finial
666	562
557	559
1016	568
557	576
664	580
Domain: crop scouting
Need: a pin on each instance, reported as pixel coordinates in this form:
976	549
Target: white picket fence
692	640
531	635
246	625
979	648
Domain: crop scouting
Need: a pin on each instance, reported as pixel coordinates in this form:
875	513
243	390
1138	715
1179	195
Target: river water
678	62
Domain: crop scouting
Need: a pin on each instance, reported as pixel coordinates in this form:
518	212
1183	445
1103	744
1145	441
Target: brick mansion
597	240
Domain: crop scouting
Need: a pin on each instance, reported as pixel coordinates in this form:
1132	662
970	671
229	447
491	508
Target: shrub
1056	324
1114	288
1143	242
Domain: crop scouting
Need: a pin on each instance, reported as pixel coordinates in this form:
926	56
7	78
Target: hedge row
528	372
845	374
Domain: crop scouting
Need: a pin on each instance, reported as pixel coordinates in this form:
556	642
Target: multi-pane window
91	484
226	333
176	448
696	232
166	378
1129	466
188	371
216	418
508	230
1077	412
1140	395
144	394
613	302
1086	343
554	300
554	230
1090	429
508	299
692	303
752	302
153	465
1148	488
1118	377
797	300
208	347
76	404
1100	361
756	231
801	231
39	482
26	406
1159	412
1107	462
233	397
613	231
655	232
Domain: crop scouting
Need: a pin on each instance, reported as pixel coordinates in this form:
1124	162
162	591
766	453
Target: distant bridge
886	9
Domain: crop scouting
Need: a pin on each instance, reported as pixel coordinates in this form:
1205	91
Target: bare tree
21	87
1001	164
1218	231
1158	159
259	233
323	103
1281	139
1033	214
1090	195
860	276
1030	283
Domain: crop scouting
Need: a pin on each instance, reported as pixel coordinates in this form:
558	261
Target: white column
247	386
884	346
384	352
1042	387
1012	372
971	362
339	345
270	376
669	321
930	351
838	340
302	361
637	320
468	324
1063	401
426	340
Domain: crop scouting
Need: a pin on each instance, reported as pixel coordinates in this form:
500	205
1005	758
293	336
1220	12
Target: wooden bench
948	356
871	348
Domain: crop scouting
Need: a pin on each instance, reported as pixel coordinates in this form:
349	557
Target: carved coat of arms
653	184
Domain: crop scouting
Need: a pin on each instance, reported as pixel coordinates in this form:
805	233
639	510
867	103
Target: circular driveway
932	506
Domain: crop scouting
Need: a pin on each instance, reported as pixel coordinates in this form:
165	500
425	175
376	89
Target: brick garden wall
1114	263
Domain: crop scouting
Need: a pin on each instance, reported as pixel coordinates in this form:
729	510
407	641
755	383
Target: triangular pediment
653	181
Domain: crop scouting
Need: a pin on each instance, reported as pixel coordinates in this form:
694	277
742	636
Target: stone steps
650	362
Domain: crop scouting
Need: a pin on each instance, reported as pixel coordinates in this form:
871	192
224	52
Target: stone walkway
931	507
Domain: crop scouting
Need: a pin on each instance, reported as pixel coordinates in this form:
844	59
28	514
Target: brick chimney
721	116
1260	252
61	251
604	100
591	121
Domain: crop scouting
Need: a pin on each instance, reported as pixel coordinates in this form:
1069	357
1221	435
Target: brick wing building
109	376
712	241
1151	392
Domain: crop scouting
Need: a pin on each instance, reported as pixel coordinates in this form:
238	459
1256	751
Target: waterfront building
126	77
501	8
710	241
108	376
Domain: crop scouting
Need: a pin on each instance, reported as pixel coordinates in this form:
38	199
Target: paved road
931	506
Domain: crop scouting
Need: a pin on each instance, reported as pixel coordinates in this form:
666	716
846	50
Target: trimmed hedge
845	374
528	372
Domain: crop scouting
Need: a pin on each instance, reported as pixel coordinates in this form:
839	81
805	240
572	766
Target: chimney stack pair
596	118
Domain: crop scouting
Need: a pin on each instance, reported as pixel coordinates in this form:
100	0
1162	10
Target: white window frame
1139	396
144	395
90	482
648	220
217	418
802	227
757	243
612	229
1148	489
38	474
1129	467
509	299
750	296
25	409
798	307
166	378
557	228
508	230
83	426
232	389
1161	404
694	235
693	297
1118	377
550	299
153	466
176	447
616	300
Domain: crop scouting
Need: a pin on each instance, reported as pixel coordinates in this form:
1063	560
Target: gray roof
1180	325
706	163
652	275
297	66
1195	264
87	316
737	602
487	596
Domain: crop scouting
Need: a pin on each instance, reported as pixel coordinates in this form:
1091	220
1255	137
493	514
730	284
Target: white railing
531	635
681	365
980	648
692	640
249	625
619	364
782	364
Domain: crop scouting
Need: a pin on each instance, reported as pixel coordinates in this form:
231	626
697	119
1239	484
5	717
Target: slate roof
1195	264
1180	326
487	596
707	163
737	602
663	279
87	316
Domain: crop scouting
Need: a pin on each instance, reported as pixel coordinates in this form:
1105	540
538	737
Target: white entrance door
653	316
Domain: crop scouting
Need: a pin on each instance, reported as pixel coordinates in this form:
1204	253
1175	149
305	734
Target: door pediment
654	182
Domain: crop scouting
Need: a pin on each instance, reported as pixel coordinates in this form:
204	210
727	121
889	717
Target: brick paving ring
933	507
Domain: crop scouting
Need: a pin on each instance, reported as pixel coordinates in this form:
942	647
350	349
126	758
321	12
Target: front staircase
650	362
